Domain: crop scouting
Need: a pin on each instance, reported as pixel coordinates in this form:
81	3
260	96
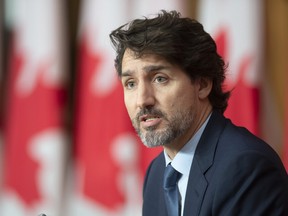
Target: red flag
110	160
34	136
237	29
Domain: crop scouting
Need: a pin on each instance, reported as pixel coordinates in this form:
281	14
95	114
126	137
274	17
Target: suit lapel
195	191
203	160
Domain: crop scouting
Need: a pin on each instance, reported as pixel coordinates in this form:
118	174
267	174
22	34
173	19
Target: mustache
150	111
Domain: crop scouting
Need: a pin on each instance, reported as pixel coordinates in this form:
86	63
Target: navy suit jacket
233	173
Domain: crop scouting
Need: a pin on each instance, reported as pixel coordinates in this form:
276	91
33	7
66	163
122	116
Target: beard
177	125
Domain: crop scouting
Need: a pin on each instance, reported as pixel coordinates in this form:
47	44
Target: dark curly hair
181	41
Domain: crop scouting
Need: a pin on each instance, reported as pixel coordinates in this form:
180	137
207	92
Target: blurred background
66	144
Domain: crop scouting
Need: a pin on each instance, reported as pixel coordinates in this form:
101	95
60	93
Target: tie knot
171	177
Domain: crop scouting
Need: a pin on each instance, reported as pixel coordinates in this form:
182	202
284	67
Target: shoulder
245	170
233	140
222	142
156	166
239	142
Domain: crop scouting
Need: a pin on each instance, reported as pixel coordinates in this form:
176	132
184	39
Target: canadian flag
33	129
110	161
236	27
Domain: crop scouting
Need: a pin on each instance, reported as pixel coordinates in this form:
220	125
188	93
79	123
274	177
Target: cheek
182	100
129	106
175	97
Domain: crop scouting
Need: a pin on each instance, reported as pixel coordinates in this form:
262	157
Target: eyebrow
146	69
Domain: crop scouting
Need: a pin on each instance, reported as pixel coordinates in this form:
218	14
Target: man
172	78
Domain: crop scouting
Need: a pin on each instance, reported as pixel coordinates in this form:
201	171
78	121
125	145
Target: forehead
131	60
149	64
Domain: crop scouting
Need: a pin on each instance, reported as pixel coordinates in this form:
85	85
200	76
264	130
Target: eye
160	79
130	84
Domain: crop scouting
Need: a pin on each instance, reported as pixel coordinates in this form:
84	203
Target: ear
205	86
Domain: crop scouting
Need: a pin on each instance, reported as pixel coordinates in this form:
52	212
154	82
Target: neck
173	148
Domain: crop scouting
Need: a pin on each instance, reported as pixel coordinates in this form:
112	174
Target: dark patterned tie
171	193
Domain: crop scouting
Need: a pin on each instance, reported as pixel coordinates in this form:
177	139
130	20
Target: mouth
149	120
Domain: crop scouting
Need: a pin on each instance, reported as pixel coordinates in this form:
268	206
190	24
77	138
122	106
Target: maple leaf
28	115
100	120
94	132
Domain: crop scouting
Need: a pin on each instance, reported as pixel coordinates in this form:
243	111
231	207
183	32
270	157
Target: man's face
160	98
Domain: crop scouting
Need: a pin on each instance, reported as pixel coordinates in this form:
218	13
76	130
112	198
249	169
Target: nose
145	95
